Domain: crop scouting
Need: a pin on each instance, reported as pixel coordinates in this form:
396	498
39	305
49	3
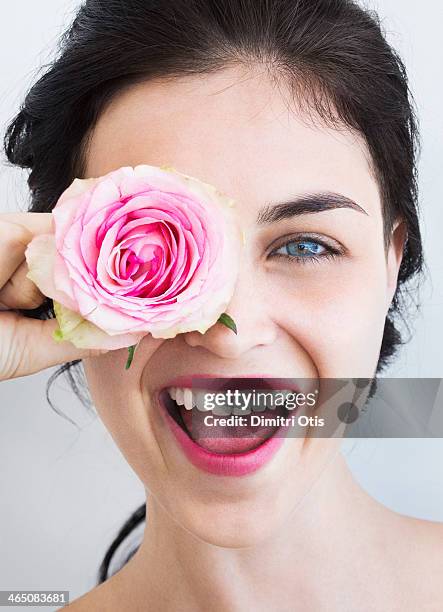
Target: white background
64	493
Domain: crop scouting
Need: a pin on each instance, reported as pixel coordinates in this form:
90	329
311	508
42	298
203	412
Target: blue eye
305	249
302	248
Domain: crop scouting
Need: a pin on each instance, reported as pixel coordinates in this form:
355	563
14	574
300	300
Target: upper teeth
195	398
183	396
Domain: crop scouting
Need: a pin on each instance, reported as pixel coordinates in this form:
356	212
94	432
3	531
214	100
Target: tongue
224	439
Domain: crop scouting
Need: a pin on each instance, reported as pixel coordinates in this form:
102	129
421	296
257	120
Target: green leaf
131	351
225	319
58	335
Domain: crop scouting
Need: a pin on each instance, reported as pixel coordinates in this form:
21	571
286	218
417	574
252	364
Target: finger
21	292
32	347
36	223
13	242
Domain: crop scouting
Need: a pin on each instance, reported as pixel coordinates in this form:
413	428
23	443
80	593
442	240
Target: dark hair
332	53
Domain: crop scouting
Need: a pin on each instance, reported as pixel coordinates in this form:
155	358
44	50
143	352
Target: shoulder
420	560
431	537
101	597
424	537
405	560
89	601
114	595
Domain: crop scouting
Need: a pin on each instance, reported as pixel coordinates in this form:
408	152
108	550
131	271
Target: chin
234	524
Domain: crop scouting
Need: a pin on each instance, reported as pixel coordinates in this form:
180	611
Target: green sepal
225	319
131	351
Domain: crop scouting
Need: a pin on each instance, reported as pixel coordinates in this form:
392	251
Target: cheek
117	393
337	316
109	383
122	407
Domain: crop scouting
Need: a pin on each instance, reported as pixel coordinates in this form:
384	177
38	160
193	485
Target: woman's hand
26	345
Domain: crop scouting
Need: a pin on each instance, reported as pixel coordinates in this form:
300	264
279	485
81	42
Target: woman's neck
335	530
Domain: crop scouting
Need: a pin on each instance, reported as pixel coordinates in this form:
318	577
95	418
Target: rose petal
147	250
42	257
85	335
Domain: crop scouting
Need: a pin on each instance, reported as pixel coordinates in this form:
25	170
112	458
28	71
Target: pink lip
236	464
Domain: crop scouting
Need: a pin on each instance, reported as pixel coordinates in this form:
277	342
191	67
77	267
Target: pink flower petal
41	257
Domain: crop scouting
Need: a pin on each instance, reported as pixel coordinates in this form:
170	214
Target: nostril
221	341
191	338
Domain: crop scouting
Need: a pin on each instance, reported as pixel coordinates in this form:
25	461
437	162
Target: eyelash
330	253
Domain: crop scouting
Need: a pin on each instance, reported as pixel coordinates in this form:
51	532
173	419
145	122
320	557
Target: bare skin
299	534
27	345
357	555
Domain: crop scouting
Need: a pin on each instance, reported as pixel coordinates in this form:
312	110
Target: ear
394	257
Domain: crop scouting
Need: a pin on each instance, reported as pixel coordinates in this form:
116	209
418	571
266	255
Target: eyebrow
305	205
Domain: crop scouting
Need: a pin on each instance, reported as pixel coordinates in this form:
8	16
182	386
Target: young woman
300	111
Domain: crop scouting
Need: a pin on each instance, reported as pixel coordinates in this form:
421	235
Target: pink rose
140	250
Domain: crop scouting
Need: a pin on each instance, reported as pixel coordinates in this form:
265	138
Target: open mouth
227	427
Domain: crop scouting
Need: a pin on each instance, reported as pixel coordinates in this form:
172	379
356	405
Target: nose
250	307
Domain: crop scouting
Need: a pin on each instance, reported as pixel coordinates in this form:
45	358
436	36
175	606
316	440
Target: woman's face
311	297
